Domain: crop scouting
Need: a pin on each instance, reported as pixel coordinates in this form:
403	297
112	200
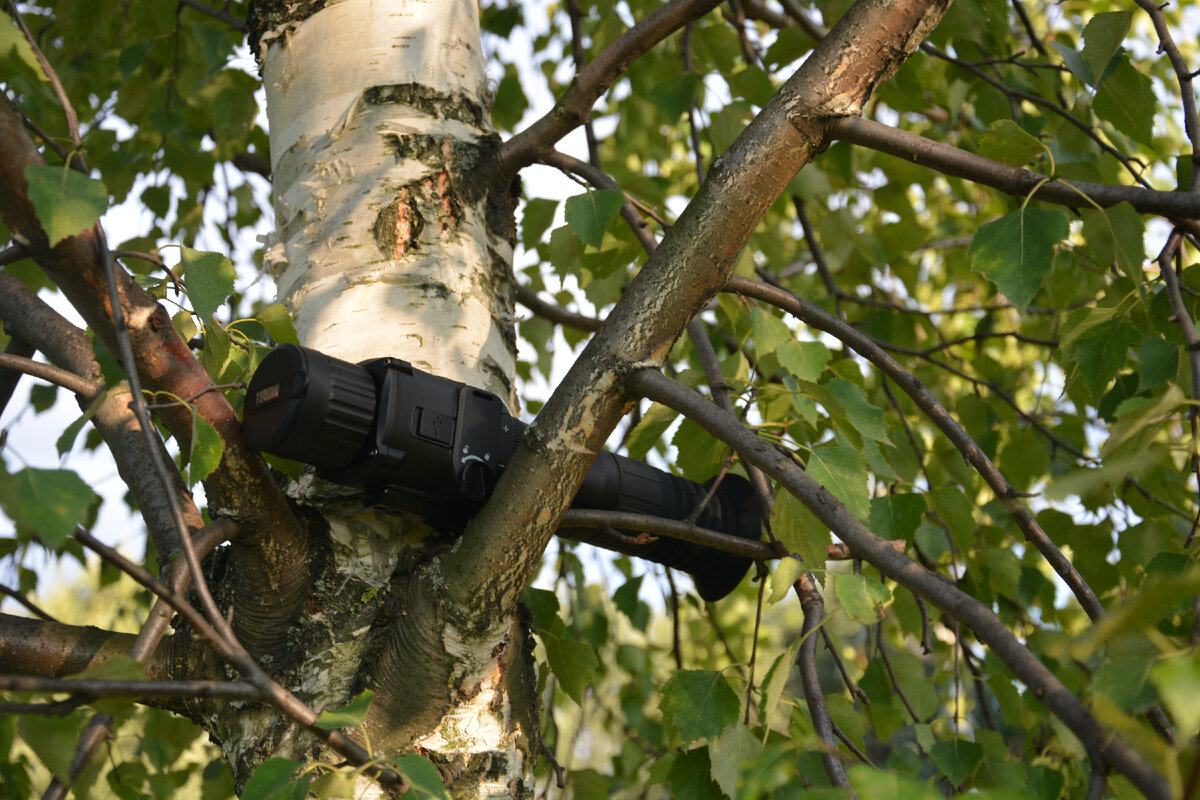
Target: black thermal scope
416	443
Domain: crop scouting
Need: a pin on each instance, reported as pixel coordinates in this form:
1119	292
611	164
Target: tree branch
990	630
9	378
70	348
467	587
81	386
814	614
85	690
1014	181
575	106
687	532
271	562
818	318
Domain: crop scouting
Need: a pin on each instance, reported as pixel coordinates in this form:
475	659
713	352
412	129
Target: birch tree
908	246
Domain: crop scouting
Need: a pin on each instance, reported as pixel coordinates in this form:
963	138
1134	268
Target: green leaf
785	574
1127	683
67	202
1102	38
209	278
863	598
350	715
66	441
573	663
800	531
1098	340
337	783
883	784
206	450
1158	362
14	48
842	471
278	322
776	679
896	516
803	360
589	213
690	777
1008	142
1074	62
1045	783
1126	99
1133	421
1178	683
1016	251
700	456
48	502
565	249
625	598
509	103
543	604
272	780
674	97
219	356
539	213
865	418
770	332
957	759
731	753
52	739
649	430
423	779
132	57
42	396
699	704
1114	236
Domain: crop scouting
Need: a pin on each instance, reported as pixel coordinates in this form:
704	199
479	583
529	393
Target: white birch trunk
373	108
380	137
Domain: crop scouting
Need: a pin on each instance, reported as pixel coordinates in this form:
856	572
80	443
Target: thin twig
814	614
228	19
55	82
1043	683
81	386
30	606
868	348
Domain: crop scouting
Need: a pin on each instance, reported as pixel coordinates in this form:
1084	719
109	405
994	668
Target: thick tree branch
68	347
54	650
1015	181
990	630
237	657
9	378
575	106
466	588
271	561
501	546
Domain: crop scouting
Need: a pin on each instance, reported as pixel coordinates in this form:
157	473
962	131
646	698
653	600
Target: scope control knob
476	480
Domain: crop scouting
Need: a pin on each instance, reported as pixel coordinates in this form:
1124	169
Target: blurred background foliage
1055	347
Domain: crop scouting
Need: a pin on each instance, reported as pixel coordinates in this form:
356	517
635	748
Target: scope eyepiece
435	447
306	406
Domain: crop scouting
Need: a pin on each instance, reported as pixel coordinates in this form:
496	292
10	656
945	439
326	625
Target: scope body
421	444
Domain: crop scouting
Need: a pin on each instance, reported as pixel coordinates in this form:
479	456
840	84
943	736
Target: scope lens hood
304	405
